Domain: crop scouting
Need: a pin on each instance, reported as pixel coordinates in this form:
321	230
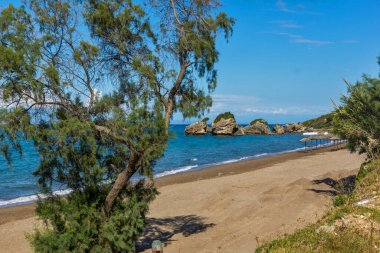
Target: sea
183	154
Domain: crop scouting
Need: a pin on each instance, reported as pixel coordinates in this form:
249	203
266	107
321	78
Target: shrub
358	118
259	120
75	227
205	120
226	115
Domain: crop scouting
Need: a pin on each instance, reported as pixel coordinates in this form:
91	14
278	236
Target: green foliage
366	168
259	120
339	200
309	240
96	103
172	59
88	142
358	117
205	120
322	122
78	227
226	115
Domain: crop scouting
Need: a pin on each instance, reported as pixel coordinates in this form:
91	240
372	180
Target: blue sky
287	58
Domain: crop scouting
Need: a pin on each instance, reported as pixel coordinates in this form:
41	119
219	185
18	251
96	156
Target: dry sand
229	208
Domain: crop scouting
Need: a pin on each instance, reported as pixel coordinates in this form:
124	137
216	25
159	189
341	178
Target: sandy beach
227	208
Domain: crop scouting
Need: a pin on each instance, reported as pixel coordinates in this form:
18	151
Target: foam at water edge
238	160
31	198
172	172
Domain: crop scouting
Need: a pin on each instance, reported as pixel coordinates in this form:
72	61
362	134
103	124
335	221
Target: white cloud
297	9
293	110
245	108
311	42
299	39
283	6
222	103
287	24
245	105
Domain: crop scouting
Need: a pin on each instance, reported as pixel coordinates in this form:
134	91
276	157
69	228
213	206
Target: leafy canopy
225	115
88	142
174	58
358	118
259	120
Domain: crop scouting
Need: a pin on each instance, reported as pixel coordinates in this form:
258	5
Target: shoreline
27	210
30	199
238	167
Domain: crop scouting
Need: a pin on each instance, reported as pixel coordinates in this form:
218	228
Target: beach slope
229	208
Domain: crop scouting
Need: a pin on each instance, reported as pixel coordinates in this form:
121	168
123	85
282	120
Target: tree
173	60
357	119
88	142
55	58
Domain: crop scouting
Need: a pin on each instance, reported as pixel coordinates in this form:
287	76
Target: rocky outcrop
278	129
198	128
224	127
239	131
294	128
257	127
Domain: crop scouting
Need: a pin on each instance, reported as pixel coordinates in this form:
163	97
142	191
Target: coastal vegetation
358	118
324	122
225	115
55	59
354	224
263	121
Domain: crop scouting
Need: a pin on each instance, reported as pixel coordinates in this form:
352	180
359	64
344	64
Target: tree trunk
168	115
121	181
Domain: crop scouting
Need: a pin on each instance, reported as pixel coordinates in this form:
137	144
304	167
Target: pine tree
55	58
174	57
357	119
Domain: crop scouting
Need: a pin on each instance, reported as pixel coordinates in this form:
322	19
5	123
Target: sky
287	59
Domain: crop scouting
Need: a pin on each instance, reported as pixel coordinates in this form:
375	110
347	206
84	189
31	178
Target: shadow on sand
344	185
164	229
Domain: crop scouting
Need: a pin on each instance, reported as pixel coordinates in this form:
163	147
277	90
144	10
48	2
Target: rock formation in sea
258	126
197	128
239	131
294	128
278	129
224	124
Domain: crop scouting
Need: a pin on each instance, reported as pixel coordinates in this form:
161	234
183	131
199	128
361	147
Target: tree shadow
344	185
164	229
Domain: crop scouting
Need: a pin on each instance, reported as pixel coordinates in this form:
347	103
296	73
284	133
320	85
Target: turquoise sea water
184	153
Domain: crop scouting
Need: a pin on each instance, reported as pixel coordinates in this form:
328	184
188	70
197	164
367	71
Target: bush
358	118
309	240
339	200
322	122
205	120
75	227
366	168
259	120
226	115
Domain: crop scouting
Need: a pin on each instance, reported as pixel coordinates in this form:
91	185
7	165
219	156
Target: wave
175	171
31	198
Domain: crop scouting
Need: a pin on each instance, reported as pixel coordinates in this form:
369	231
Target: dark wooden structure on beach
319	140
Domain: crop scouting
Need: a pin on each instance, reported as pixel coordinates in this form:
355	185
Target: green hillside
322	122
